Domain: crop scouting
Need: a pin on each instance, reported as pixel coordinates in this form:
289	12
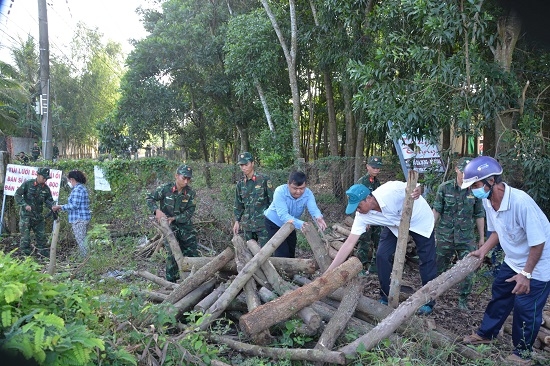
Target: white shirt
390	197
520	224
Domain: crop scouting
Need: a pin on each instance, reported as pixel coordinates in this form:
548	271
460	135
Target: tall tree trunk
508	29
336	167
359	147
349	166
264	105
290	56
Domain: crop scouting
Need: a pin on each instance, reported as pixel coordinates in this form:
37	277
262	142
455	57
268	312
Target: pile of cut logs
245	283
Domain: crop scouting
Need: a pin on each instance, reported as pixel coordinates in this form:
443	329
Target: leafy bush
34	314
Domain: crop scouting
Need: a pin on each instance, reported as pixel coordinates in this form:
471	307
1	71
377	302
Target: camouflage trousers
261	236
367	246
447	253
187	239
28	223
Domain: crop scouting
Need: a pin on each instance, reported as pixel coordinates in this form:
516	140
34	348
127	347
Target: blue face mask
480	192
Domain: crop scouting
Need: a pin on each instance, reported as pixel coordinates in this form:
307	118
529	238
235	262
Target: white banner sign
101	183
17	174
424	157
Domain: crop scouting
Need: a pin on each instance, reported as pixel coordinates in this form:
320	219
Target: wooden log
348	221
156	279
218	363
342	230
290	303
53	247
300	354
402	239
240	280
546	319
243	256
369	309
289	266
338	323
336	244
332	252
201	276
354	324
311	320
318	247
205	303
154	296
406	310
165	229
192	298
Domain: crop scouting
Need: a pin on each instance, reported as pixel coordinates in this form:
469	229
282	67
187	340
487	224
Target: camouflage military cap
245	158
462	162
185	170
45	172
375	162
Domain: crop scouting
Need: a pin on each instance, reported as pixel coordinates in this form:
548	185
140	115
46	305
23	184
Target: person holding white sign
78	207
31	197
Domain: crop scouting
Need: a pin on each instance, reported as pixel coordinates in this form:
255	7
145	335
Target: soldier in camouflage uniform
176	204
31	197
35	152
371	237
456	213
253	194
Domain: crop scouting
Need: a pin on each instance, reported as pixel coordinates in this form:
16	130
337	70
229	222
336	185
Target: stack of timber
261	292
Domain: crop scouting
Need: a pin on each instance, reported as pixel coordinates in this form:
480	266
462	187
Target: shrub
34	314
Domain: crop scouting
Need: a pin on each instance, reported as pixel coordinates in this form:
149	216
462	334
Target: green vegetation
212	79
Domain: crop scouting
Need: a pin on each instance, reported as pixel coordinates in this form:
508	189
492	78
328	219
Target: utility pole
44	45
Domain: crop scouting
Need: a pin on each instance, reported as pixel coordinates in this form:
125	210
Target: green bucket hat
185	170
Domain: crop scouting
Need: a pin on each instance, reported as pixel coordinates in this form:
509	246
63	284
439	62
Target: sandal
474	339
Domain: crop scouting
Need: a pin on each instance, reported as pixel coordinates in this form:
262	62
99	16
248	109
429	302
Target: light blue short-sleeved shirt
285	207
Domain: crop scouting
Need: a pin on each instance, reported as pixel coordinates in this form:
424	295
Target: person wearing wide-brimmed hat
31	197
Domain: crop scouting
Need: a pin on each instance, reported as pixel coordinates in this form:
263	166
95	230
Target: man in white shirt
384	207
523	281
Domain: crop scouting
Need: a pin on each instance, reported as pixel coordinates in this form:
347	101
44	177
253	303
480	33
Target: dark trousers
527	310
287	249
425	248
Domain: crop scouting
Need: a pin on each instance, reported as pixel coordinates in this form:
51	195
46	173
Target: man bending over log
383	207
289	202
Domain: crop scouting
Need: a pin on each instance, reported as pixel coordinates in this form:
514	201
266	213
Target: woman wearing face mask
78	208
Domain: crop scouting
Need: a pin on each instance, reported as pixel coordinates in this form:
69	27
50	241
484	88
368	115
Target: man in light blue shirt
288	205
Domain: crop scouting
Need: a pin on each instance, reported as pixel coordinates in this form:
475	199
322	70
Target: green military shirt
181	206
252	197
35	195
35	152
370	182
458	209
